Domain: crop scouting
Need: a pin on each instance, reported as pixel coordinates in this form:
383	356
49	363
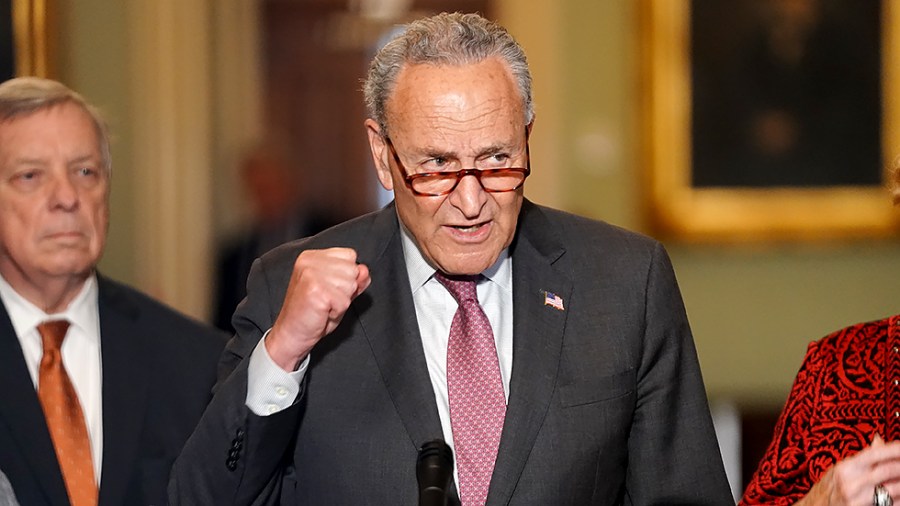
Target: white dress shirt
435	308
80	351
270	389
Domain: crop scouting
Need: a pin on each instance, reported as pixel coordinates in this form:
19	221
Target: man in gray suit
550	351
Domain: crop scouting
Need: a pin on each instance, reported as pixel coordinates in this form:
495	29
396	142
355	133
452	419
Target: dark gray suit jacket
158	371
606	402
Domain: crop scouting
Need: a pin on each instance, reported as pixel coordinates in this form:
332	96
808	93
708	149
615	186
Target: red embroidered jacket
847	390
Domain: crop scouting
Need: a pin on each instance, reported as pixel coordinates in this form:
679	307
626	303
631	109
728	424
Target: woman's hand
852	481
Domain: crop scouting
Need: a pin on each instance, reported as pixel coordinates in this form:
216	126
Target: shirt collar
82	312
420	271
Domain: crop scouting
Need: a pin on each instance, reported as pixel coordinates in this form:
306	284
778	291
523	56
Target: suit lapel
388	318
21	411
537	345
124	389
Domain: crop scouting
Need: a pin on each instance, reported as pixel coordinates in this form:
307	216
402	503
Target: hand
322	286
852	481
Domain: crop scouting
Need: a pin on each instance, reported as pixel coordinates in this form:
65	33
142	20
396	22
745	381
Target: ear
380	154
528	128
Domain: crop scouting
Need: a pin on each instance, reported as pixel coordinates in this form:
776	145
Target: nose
64	193
469	196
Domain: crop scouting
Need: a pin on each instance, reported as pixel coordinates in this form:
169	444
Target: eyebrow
487	150
85	158
27	160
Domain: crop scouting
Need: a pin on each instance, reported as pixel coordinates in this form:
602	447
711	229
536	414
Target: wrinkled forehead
455	98
26	134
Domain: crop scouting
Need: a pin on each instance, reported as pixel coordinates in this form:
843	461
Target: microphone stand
434	466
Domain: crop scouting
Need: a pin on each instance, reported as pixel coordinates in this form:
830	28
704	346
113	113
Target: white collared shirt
80	351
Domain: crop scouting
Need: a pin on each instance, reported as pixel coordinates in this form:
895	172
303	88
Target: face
461	117
53	196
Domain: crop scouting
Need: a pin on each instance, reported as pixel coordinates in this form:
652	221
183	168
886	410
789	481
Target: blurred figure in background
829	446
101	384
281	212
7	496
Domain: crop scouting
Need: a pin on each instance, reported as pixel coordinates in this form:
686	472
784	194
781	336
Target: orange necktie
65	418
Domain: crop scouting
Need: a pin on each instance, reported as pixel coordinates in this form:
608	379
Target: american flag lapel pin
554	301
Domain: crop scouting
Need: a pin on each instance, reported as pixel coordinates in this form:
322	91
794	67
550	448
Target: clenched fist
322	286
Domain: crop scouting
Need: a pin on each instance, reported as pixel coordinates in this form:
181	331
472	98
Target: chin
73	267
466	266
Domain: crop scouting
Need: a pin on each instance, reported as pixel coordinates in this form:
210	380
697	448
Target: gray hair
444	39
24	96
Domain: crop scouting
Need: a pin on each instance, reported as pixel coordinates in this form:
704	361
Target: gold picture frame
34	37
679	209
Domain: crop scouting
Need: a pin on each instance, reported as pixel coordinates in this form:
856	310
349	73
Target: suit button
231	464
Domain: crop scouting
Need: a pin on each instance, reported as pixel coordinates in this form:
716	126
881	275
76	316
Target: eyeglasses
436	184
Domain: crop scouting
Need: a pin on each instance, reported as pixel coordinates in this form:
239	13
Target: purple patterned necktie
475	389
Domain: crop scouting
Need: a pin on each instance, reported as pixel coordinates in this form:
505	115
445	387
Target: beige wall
146	64
93	60
753	309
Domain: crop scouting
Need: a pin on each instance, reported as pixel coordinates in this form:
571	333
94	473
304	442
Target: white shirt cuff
270	388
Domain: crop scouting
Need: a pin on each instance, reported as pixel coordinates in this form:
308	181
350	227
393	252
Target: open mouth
474	232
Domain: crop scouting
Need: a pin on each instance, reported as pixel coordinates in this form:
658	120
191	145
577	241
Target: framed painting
770	119
27	38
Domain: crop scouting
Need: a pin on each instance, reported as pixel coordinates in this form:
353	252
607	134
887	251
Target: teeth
469	229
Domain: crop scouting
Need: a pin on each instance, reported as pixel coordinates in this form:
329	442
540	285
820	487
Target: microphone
433	469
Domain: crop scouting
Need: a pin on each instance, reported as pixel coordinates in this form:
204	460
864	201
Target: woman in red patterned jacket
828	447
